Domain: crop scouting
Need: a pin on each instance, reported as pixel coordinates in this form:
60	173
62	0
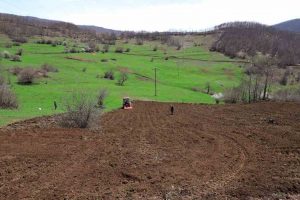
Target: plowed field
200	152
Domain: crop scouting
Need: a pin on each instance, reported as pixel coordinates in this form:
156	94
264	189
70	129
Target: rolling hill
291	25
98	29
15	26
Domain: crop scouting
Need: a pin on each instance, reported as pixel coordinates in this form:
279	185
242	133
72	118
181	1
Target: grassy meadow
180	78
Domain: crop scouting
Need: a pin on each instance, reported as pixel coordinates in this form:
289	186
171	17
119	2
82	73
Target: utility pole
155	81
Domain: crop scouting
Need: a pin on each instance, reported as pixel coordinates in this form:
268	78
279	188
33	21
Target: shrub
6	54
127	50
123	78
73	50
20	40
109	75
16	44
84	69
15	58
49	42
15	70
285	78
101	97
8	45
104	60
49	68
119	50
2	80
92	47
26	76
19	52
81	112
105	48
139	41
8	99
287	95
232	95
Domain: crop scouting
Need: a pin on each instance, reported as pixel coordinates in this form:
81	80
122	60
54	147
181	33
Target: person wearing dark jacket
172	110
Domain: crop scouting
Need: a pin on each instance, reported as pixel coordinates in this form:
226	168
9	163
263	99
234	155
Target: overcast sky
156	15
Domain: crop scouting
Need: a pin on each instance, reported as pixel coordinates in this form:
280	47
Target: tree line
245	39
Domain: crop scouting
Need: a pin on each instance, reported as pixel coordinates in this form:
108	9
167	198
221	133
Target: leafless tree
123	78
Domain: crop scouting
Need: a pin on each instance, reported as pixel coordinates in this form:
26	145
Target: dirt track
202	152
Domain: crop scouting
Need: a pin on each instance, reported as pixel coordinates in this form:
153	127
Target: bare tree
265	66
8	99
26	76
123	78
101	97
80	111
207	86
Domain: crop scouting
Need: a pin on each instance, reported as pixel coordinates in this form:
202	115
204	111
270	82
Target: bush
15	58
109	75
49	68
139	41
81	112
123	78
26	76
232	95
20	40
2	80
19	52
6	54
73	50
287	95
101	97
105	48
84	69
104	60
119	50
8	99
8	45
15	70
127	50
92	47
49	42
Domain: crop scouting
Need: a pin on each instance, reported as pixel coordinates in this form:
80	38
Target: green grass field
191	67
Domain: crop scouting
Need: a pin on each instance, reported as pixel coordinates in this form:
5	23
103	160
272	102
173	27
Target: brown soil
201	152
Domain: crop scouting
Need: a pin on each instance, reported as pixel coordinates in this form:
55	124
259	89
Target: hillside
291	25
245	39
23	26
98	29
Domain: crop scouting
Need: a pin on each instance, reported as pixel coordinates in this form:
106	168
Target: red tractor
127	104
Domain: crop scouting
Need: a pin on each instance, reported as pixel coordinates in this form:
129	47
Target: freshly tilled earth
200	152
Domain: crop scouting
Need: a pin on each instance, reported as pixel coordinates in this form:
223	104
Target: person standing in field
172	110
55	105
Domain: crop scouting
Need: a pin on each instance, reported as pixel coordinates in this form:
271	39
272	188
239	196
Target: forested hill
22	26
242	39
291	25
